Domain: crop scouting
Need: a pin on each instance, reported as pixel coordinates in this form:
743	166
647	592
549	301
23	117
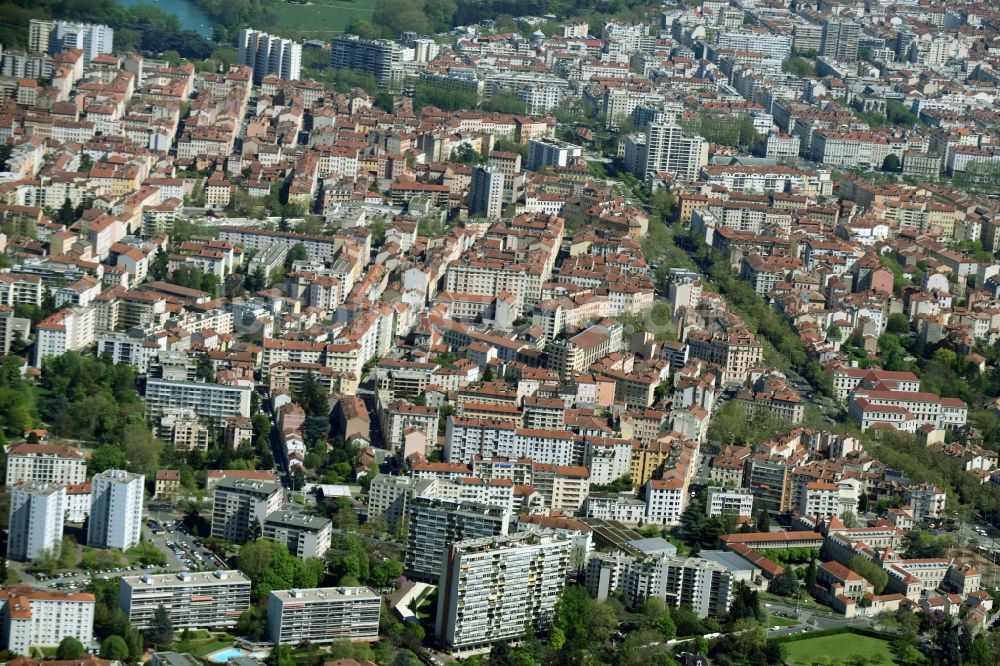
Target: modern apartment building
115	509
36	520
318	247
216	402
323	615
466	438
266	54
492	589
572	355
93	40
390	496
381	58
40	35
305	536
564	487
197	600
771	45
807	37
666	500
770	480
20	288
737	501
704	586
49	463
550	153
668	150
216	476
486	192
433	524
238	502
840	39
66	330
33	618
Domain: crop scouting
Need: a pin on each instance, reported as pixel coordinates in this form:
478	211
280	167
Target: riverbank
191	16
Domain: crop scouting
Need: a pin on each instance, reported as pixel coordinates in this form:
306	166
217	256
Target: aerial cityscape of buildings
425	343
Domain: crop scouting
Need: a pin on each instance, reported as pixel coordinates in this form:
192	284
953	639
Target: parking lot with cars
183	551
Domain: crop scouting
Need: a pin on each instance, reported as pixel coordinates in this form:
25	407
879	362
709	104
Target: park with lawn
840	649
318	18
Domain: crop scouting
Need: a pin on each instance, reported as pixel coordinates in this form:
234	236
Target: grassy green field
324	16
837	649
201	643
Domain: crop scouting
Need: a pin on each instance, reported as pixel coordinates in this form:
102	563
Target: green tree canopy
270	566
141	449
784	584
114	648
797	66
871	572
897	323
582	621
70	649
108	456
161	629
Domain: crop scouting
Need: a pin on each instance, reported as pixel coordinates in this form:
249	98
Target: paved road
814	619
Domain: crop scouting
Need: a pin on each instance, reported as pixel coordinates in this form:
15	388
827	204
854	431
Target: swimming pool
223	656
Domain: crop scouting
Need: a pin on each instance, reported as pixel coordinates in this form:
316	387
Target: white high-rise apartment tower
491	589
266	54
39	34
36	520
667	149
93	40
115	509
238	502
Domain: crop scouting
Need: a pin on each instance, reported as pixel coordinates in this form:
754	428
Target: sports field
837	649
319	17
